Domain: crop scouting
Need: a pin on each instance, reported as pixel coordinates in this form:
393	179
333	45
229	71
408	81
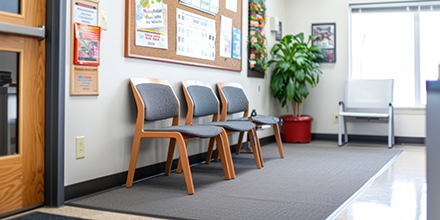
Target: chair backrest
369	94
201	99
156	98
234	98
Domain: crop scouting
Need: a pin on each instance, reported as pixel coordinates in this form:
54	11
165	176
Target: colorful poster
149	14
86	45
236	43
225	37
154	37
208	6
85	14
195	35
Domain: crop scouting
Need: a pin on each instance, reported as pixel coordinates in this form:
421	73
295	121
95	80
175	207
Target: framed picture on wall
325	38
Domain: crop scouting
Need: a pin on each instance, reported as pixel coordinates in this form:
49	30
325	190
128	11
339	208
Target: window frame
414	7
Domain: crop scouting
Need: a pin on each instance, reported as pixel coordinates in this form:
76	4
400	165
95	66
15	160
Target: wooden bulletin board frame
90	73
170	56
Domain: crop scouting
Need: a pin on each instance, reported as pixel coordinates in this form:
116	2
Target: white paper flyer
225	37
231	5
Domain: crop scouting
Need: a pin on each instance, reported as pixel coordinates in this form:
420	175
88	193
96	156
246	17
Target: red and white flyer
87	44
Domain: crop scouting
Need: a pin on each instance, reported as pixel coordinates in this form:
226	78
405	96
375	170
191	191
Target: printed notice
225	37
149	14
85	14
196	3
213	6
208	6
154	37
205	4
84	81
195	35
236	43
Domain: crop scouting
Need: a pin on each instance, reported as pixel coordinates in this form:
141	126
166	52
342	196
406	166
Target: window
397	41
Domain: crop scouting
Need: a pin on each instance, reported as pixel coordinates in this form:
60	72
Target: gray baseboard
369	139
103	183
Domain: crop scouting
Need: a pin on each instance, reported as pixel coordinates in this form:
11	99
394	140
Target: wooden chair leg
240	142
276	130
228	153
210	149
183	155
179	164
170	156
223	157
216	154
258	147
254	149
133	160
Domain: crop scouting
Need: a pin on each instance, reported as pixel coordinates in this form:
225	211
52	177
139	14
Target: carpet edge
350	200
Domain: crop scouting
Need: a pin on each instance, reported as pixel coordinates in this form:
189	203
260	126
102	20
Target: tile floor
398	193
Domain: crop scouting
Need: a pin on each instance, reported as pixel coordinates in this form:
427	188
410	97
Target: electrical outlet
335	117
80	147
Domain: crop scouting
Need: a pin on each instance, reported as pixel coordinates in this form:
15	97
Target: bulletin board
169	55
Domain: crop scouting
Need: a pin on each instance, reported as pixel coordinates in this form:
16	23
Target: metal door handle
39	32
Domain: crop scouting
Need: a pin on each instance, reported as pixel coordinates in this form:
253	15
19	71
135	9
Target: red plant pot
296	129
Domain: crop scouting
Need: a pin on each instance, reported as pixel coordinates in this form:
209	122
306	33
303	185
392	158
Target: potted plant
296	66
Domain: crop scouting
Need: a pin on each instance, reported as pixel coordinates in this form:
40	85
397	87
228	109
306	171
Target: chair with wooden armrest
156	100
202	101
235	100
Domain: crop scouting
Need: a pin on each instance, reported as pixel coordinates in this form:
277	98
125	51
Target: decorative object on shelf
325	38
257	38
296	66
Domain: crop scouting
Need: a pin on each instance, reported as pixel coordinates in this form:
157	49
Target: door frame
54	102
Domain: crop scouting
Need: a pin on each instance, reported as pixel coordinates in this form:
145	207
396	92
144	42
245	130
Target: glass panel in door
11	6
8	102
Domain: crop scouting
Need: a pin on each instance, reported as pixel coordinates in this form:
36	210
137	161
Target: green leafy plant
296	66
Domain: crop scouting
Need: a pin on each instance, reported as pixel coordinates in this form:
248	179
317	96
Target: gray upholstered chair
202	101
234	100
156	100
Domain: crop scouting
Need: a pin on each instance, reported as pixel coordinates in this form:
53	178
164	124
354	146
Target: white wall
323	99
107	121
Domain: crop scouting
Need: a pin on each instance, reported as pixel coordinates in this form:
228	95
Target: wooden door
22	169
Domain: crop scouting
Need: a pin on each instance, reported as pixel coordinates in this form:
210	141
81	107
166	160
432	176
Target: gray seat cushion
204	99
192	130
259	119
267	120
233	125
237	99
159	100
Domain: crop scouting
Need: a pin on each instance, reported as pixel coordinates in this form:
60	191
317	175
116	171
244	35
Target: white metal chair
370	101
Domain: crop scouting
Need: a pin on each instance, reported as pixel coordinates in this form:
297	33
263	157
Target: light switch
103	18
